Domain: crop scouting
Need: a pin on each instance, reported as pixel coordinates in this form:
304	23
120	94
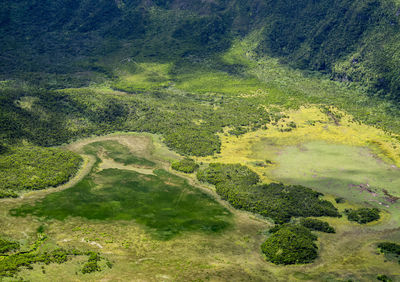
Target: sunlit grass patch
217	82
140	77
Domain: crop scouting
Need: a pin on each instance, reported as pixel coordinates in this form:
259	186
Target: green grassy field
353	173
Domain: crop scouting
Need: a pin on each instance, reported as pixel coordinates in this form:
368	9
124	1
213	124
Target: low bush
91	265
340	200
317	225
392	250
11	263
388	247
384	278
186	165
363	215
6	246
290	244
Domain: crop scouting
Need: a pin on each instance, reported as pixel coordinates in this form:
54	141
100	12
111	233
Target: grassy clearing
350	172
141	77
342	158
216	82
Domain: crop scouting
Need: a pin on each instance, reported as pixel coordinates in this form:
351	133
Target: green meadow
354	173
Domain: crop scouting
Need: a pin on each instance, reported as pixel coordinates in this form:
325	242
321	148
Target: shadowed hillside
349	40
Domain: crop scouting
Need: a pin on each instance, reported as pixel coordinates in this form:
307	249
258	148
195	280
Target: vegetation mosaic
199	140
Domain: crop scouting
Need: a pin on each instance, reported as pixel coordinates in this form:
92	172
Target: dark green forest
60	43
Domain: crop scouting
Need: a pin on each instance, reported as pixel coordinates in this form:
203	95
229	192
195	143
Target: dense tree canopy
291	244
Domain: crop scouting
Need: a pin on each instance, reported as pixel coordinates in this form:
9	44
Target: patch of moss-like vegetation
241	187
34	168
163	203
392	250
317	225
186	165
290	244
363	215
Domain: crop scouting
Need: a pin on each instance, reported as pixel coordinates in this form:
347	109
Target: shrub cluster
363	215
290	244
10	263
317	225
6	246
91	265
34	168
186	165
389	248
240	186
384	278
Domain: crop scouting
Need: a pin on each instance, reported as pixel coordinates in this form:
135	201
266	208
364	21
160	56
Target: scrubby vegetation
191	72
241	188
384	278
186	165
390	249
6	245
290	244
32	168
74	113
363	215
12	262
92	264
340	200
317	225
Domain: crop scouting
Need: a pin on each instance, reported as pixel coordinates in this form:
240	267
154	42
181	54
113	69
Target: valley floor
231	254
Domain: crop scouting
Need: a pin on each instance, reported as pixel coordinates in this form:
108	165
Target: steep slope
350	40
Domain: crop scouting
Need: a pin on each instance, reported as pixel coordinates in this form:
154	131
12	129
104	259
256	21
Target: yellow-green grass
143	77
217	82
327	156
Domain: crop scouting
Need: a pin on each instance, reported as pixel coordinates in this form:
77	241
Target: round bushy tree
291	244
